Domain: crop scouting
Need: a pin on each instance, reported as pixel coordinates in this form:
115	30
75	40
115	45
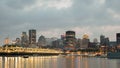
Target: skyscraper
102	40
118	38
70	38
70	41
24	39
32	36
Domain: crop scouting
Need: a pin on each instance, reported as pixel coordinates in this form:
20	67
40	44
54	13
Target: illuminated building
7	41
85	41
32	36
85	36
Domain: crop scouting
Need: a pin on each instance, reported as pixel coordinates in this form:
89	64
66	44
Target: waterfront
58	62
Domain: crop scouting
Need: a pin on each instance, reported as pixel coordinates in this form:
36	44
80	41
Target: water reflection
58	62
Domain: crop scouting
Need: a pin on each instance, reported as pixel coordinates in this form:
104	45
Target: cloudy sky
52	18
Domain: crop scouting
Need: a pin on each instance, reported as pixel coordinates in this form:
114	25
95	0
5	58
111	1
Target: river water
58	62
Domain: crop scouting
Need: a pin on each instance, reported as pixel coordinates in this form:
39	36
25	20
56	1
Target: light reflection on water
58	62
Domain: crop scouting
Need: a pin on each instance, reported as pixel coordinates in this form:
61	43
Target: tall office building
70	41
118	38
102	40
32	36
70	38
24	39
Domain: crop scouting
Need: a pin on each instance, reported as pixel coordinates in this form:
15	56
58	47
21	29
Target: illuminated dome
85	36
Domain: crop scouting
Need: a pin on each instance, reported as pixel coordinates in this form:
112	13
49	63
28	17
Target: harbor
19	51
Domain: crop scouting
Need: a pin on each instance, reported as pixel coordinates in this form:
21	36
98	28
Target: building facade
85	41
18	41
41	41
70	41
32	37
24	39
118	38
104	41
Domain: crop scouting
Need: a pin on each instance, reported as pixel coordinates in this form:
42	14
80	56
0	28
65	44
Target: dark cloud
21	15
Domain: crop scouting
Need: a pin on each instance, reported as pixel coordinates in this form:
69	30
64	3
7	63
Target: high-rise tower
32	36
24	39
118	38
70	41
70	38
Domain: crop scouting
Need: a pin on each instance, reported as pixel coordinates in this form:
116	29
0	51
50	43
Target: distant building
93	44
70	39
104	41
32	37
85	41
95	40
18	41
57	43
107	41
49	41
24	39
79	43
118	38
6	41
41	41
113	43
104	44
63	37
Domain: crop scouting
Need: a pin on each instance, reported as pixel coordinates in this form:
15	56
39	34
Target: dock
28	51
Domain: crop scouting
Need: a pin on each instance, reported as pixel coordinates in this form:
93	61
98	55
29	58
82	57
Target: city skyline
52	18
26	36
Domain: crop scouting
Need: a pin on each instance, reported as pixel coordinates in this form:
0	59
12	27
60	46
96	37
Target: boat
101	55
25	56
113	55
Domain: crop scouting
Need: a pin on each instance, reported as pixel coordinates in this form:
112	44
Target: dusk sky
52	18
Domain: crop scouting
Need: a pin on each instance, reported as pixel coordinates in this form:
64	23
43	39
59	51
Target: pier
28	51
